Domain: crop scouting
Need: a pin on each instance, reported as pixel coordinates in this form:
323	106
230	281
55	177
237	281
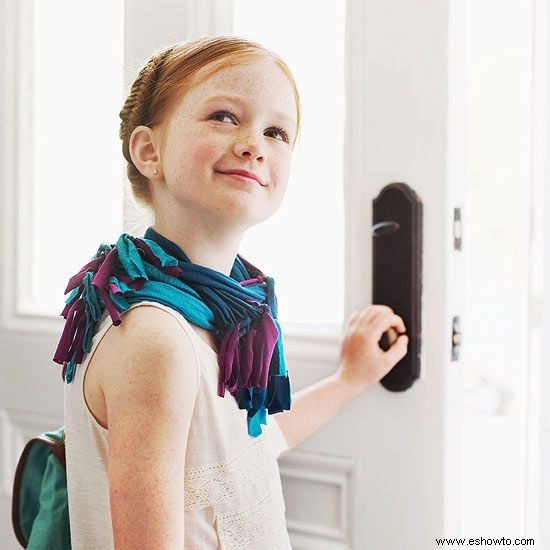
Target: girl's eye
281	131
278	129
223	114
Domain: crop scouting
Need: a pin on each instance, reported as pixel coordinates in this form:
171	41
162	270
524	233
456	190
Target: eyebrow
242	101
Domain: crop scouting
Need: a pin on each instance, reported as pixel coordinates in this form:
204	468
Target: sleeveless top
233	492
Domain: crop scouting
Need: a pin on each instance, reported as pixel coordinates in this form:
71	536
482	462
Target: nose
249	147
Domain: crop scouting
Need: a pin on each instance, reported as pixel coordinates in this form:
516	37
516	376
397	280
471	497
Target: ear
144	151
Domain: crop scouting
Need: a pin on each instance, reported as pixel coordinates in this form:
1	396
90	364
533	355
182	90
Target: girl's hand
362	361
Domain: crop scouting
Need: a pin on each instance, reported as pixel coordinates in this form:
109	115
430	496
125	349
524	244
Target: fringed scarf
241	309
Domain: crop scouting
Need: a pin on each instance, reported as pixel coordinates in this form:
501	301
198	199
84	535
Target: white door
385	473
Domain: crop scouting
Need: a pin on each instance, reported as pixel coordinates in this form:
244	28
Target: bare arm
150	393
313	407
362	364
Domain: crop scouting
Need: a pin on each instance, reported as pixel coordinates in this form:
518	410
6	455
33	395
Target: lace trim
221	481
238	529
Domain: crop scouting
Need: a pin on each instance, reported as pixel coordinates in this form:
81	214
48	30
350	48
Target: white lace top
233	493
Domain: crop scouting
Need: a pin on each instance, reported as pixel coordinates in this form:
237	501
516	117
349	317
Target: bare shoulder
147	349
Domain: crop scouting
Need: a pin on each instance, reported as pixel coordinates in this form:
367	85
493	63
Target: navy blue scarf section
241	310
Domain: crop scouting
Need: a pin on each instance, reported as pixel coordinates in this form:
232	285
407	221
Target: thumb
398	350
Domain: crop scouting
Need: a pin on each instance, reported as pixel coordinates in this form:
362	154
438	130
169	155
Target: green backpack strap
40	510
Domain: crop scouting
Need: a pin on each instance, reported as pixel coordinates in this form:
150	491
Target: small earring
156	172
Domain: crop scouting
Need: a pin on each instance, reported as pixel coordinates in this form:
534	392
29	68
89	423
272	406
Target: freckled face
254	131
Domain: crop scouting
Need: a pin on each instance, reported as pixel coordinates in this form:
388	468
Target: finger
370	312
382	307
384	322
392	335
352	319
380	312
396	322
363	315
396	352
399	324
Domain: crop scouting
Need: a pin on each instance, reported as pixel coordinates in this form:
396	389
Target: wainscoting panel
319	496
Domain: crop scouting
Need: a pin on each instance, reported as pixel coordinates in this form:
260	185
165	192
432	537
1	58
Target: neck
212	249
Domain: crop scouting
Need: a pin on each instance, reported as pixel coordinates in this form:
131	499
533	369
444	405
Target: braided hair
136	112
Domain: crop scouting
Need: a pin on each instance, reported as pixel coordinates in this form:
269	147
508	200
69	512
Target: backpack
40	511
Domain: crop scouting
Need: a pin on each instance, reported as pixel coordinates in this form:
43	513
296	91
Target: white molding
537	490
310	469
318	347
357	208
9	156
23	183
16	145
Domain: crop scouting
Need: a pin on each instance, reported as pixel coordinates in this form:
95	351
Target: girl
157	455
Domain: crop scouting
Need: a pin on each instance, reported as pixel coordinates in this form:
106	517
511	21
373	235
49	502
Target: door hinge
457	229
456	339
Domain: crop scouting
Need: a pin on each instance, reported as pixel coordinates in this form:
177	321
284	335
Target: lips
244	173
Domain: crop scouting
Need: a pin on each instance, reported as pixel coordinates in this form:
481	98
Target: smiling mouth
241	177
